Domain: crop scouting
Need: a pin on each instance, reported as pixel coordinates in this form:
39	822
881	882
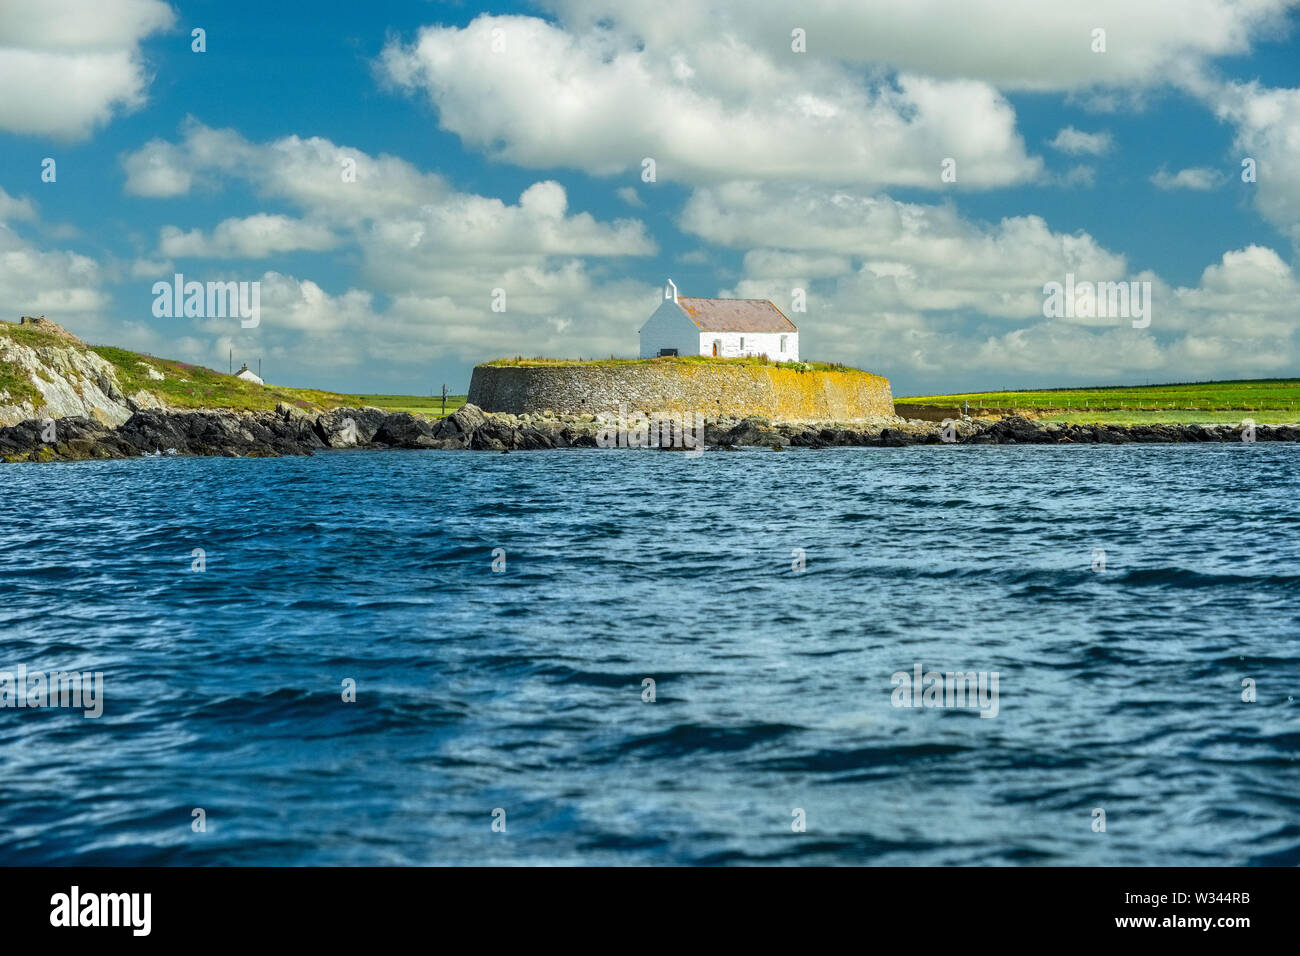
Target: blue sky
775	170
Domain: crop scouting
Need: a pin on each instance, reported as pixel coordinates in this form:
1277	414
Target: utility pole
444	400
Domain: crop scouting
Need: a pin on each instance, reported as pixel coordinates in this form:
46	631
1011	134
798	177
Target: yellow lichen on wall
733	391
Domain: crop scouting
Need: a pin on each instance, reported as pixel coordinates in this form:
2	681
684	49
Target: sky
420	187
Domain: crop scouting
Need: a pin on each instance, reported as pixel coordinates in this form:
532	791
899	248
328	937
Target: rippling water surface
1118	689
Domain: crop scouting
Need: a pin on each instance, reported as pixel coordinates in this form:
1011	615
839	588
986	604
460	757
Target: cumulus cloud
918	292
1073	141
1244	294
1197	177
305	327
429	256
391	208
253	237
151	269
36	281
1080	176
66	67
54	282
629	195
1025	46
706	107
1267	123
919	257
13	209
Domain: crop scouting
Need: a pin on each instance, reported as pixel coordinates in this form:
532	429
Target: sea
929	656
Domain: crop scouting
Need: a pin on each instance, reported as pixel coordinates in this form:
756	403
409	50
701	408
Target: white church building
248	375
727	328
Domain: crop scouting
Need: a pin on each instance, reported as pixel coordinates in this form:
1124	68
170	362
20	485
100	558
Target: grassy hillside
13	379
192	386
1264	400
15	383
611	362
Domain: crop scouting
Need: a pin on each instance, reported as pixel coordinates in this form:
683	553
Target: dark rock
715	433
1017	430
404	430
461	424
349	427
578	438
754	430
492	435
74	439
218	432
290	431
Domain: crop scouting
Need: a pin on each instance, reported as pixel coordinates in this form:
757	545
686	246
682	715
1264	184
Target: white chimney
670	291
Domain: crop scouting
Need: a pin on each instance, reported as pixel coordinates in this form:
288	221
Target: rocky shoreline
291	431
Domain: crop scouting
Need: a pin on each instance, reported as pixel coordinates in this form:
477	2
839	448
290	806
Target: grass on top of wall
668	360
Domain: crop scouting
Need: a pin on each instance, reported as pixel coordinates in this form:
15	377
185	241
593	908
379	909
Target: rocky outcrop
404	430
291	431
347	427
460	425
232	434
70	439
70	380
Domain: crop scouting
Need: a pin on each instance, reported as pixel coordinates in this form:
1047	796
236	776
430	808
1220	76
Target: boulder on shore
349	427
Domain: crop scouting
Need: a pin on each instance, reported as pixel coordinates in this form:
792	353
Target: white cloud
1267	125
706	107
1197	177
428	256
549	310
398	214
36	281
151	269
12	209
1022	46
157	170
1080	176
253	237
912	256
67	66
919	292
1073	141
161	169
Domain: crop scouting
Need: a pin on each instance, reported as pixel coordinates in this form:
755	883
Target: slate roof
735	315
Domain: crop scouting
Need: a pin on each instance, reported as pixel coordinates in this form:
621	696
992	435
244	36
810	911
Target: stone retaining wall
781	394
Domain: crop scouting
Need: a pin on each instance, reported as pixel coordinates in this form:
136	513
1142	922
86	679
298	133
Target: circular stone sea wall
734	391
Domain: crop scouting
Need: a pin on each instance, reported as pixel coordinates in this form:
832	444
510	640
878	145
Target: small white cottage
247	375
727	328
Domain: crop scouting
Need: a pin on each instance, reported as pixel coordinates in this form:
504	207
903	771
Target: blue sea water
522	690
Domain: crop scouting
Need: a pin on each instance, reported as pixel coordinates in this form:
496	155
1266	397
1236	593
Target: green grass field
415	404
1264	400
